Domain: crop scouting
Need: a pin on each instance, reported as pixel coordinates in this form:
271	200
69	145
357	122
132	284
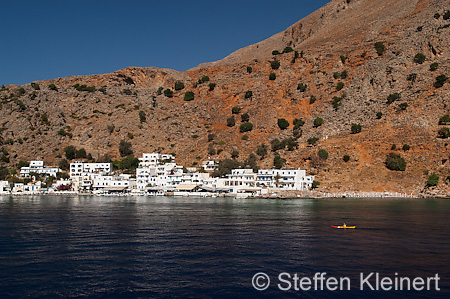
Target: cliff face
338	66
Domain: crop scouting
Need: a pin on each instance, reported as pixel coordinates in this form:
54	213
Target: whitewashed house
197	178
39	168
241	180
113	184
79	168
155	159
284	179
81	183
5	188
33	187
18	188
158	171
210	165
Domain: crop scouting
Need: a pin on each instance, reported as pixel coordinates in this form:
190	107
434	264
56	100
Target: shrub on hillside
231	121
298	122
337	102
168	93
419	58
395	162
245	127
302	87
248	94
446	15
312	140
225	167
356	128
276	145
290	143
444	133
412	77
440	80
272	76
84	87
125	148
283	123
339	86
380	48
278	162
236	110
179	85
261	150
274	64
318	122
434	66
249	69
297	133
346	158
433	180
245	117
142	117
403	106
189	96
444	119
288	50
393	97
323	154
70	152
53	87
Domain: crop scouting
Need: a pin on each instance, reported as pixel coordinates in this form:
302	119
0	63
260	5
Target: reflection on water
191	247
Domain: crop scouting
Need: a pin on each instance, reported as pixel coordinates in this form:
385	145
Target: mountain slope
338	66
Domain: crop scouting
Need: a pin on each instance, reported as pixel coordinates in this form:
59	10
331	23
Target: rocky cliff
373	100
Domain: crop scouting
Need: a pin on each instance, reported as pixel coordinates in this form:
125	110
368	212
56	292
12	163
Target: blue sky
58	38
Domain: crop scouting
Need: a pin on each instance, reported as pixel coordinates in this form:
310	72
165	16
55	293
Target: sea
185	247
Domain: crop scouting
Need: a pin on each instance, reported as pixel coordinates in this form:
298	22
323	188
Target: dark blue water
126	247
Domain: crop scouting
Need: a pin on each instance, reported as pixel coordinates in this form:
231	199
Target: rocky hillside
373	71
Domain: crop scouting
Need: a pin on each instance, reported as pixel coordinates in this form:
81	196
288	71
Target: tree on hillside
125	148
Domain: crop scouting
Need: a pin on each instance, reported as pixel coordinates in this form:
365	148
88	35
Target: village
158	174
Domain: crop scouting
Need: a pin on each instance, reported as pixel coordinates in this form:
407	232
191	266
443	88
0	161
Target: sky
49	39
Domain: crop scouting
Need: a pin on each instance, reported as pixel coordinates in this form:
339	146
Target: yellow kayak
342	226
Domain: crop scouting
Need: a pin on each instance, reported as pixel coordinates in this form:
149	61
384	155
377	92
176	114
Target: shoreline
280	196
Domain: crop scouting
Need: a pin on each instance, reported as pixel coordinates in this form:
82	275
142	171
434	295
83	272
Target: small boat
343	226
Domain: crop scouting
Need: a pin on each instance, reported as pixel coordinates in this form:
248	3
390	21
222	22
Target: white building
5	188
18	188
210	165
241	179
165	176
158	171
111	184
285	179
197	178
39	168
33	187
155	159
82	183
30	188
245	180
79	168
